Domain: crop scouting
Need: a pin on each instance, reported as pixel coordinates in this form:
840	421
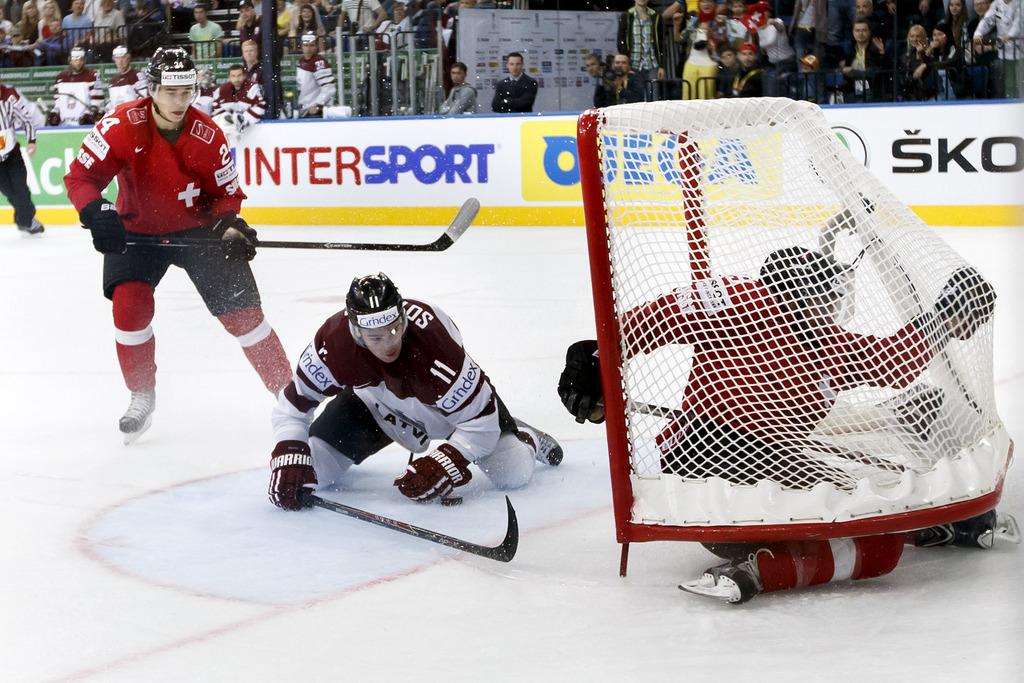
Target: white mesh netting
814	391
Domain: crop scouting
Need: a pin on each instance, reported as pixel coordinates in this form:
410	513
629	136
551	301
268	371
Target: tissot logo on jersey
315	369
373	165
462	387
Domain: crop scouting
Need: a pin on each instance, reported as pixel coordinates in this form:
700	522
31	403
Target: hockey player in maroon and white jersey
175	177
237	103
315	79
731	412
396	371
77	94
127	84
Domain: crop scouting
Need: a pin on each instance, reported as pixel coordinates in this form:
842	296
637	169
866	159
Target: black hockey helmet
171	66
373	302
800	275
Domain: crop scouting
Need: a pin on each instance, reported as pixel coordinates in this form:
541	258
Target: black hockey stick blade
503	552
463	219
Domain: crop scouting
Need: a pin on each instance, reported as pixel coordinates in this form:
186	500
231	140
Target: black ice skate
734	582
549	451
982	531
138	417
31	230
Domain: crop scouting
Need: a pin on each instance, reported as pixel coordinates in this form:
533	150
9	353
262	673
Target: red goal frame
627	531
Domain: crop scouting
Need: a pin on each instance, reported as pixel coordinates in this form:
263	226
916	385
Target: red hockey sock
807	563
261	346
136	345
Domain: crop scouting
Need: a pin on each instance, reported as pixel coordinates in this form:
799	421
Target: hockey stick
503	552
463	219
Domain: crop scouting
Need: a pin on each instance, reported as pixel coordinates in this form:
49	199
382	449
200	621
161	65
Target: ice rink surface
164	561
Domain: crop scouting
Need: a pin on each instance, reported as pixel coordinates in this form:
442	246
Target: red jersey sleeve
98	161
693	316
894	361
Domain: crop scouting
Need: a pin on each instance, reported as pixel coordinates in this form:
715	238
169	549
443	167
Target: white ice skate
549	451
734	582
138	417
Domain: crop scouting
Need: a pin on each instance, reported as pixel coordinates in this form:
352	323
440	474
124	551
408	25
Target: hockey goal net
762	425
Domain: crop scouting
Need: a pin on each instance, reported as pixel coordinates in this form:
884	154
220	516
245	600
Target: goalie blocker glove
101	219
292	470
238	240
579	386
435	475
965	303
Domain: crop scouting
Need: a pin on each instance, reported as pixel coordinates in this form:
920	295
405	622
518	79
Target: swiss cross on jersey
163	187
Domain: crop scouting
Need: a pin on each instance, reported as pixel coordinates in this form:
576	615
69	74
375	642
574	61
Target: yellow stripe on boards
983	216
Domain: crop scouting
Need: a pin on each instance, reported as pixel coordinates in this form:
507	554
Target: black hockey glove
579	386
965	303
100	218
238	240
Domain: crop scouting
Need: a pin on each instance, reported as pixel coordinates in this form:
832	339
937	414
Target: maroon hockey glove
291	468
430	476
238	240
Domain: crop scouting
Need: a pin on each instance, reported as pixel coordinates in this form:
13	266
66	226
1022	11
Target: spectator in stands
78	25
809	28
841	15
1007	18
863	59
880	22
604	80
728	68
927	13
251	62
305	21
774	41
248	24
362	17
28	25
462	97
5	24
49	12
629	87
736	31
284	21
748	82
398	27
944	65
700	70
917	78
108	27
979	60
77	94
315	80
810	83
54	50
954	26
127	84
640	39
517	92
238	104
141	10
205	35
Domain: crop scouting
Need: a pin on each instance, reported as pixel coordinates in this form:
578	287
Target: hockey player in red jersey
395	370
732	426
176	177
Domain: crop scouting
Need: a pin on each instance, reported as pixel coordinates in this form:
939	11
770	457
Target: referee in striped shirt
16	112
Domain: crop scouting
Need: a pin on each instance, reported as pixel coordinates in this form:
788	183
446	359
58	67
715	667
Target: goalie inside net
785	325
